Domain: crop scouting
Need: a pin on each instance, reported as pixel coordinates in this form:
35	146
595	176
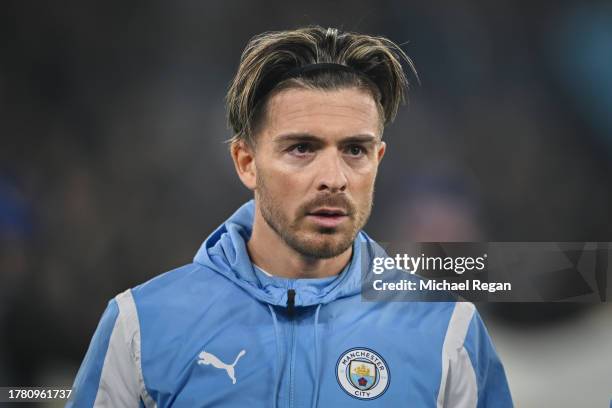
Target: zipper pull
290	302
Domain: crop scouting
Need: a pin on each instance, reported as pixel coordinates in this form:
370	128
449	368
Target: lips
328	211
328	217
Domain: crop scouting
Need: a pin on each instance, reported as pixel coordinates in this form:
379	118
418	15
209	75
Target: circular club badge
363	373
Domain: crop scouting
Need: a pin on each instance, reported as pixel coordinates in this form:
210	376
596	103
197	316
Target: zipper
291	315
291	302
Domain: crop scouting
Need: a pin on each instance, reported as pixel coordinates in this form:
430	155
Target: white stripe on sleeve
127	306
458	387
121	382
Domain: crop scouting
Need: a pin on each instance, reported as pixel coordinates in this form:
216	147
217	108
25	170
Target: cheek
363	183
286	186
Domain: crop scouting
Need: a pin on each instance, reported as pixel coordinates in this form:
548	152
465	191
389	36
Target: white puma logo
207	358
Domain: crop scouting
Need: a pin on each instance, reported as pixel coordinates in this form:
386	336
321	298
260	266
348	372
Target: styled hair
372	63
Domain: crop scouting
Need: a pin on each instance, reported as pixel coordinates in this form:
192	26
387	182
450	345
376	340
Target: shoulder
187	280
451	319
174	279
172	293
172	302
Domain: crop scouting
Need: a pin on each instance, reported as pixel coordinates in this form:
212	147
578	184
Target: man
269	314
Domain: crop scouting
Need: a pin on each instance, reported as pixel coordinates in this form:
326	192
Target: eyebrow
307	137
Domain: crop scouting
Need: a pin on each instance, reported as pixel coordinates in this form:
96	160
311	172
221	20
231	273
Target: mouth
328	217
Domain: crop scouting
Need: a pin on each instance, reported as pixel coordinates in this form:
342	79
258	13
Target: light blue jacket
219	333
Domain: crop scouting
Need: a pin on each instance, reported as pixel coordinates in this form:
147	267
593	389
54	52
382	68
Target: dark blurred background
113	166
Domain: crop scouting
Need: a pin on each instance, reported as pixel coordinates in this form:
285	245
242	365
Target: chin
325	246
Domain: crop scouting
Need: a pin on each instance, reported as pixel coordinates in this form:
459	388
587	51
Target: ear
244	161
382	148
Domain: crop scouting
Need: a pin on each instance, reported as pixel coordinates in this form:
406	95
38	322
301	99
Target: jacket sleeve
108	376
475	376
491	382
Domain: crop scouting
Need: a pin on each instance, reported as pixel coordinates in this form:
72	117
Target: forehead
323	113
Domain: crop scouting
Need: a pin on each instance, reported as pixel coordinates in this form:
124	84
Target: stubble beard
321	243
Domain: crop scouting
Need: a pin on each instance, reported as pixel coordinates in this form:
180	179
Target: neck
269	252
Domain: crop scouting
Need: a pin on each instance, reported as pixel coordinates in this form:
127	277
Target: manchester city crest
362	373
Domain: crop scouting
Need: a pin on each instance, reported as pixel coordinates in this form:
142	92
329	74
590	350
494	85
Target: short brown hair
374	63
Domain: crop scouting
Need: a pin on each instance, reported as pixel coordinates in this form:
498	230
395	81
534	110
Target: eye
355	150
300	149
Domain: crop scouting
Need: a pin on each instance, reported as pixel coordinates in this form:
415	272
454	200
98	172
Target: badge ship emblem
362	373
206	358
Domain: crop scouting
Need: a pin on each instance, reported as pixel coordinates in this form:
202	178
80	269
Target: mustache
340	201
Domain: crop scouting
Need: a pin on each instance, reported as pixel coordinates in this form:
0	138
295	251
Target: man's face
315	162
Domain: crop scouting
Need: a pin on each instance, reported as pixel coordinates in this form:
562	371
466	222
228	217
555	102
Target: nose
331	172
